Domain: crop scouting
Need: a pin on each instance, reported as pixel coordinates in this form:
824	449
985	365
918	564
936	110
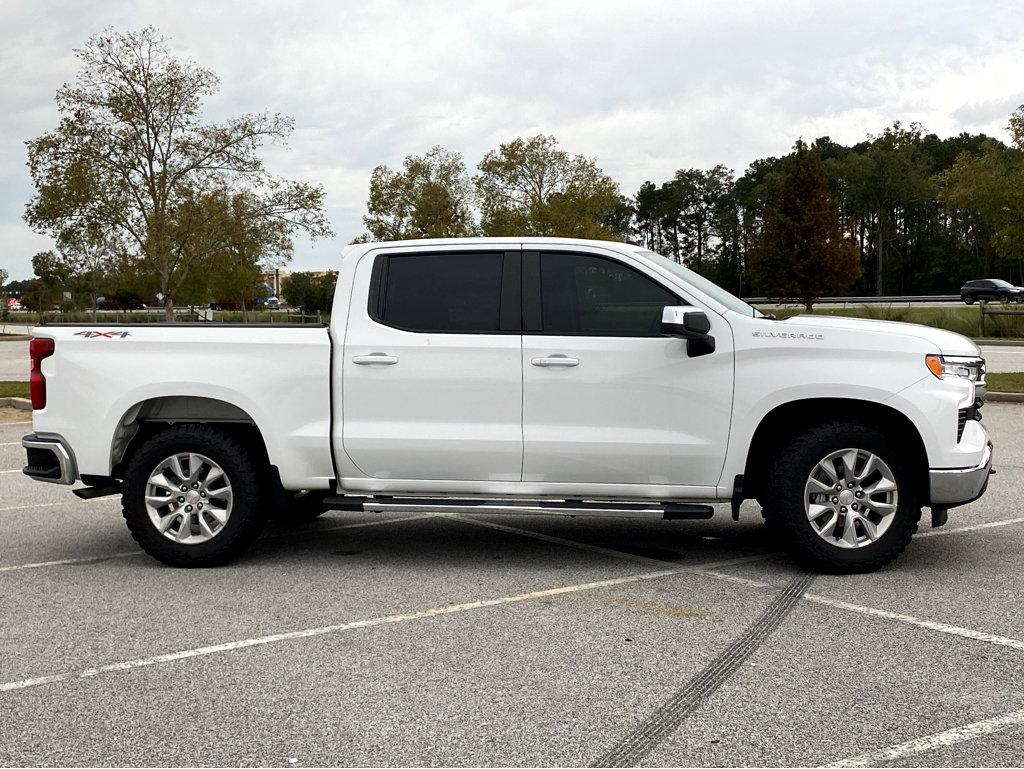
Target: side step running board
93	492
666	511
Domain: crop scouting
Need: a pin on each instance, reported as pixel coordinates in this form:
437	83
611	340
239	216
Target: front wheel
194	496
843	497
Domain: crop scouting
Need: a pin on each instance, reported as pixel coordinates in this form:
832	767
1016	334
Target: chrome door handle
556	360
376	357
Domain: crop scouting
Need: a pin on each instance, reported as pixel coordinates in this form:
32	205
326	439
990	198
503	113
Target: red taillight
37	350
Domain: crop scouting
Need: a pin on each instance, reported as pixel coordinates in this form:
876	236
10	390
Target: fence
983	311
181	315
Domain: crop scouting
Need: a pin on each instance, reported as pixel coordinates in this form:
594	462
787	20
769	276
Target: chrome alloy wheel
850	498
188	498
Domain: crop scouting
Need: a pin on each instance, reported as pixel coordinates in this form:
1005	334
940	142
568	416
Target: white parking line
938	740
939	627
68	561
959	529
41	504
371	523
596	548
709	570
125	554
324	630
554	540
74	501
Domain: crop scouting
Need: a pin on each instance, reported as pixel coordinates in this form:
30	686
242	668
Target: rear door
432	373
606	398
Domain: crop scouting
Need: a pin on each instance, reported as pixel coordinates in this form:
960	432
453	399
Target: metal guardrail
859	299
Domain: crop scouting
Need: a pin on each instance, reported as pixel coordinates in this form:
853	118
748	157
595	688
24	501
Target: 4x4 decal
102	334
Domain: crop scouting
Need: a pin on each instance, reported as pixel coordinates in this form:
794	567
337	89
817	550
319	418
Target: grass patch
960	320
1005	383
18	389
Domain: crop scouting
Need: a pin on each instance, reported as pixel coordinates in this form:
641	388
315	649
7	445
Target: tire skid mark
636	745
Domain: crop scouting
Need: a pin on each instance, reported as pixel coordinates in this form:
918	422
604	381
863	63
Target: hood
947	342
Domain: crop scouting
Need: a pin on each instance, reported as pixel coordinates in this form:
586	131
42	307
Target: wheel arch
148	417
792	417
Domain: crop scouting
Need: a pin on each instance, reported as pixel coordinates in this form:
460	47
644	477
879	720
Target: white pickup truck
543	375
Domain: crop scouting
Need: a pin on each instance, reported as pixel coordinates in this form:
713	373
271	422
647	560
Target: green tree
310	291
533	187
886	180
53	276
695	199
431	197
987	189
132	157
89	258
802	252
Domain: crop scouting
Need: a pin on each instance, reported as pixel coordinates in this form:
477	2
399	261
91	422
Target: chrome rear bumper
50	459
950	488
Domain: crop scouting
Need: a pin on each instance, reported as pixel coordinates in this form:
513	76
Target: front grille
961	422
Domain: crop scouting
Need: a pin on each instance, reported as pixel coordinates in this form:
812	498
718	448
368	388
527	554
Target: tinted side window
599	297
444	293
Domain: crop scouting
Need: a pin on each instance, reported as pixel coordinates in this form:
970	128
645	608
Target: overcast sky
645	88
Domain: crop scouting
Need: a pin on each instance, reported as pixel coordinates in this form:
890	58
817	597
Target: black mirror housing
690	324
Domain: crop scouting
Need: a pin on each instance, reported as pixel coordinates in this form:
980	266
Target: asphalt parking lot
422	640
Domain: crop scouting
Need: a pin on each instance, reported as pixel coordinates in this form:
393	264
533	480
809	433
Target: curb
1005	398
19	403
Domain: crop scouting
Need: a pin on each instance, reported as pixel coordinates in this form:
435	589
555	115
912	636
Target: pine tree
802	252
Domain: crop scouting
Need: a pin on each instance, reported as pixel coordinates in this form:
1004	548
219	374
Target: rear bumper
50	459
950	488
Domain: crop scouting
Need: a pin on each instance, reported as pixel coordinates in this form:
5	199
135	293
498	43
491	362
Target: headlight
962	366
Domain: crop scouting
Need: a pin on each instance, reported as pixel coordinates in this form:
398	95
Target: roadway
462	640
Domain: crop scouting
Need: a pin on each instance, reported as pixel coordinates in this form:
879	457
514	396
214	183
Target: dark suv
988	290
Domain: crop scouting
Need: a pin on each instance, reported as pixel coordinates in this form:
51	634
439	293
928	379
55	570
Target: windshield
701	283
1002	283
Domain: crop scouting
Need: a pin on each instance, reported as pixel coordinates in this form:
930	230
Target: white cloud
646	88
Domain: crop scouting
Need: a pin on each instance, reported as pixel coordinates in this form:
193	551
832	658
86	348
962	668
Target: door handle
556	360
376	357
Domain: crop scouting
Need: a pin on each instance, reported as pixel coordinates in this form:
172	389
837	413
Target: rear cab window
447	292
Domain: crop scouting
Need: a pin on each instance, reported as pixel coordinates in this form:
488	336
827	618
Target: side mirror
689	324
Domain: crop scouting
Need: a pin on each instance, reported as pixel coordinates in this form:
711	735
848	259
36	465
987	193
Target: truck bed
103	379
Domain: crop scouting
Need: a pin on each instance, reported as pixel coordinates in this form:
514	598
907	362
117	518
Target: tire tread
785	484
248	508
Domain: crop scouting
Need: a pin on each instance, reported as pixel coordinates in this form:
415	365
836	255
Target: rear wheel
968	300
843	497
194	496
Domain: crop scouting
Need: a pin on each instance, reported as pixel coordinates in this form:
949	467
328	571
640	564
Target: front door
432	374
606	398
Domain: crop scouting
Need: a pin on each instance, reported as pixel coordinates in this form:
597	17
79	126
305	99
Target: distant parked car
988	290
273	303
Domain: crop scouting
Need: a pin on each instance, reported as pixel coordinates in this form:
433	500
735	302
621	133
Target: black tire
247	476
303	508
968	300
784	500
